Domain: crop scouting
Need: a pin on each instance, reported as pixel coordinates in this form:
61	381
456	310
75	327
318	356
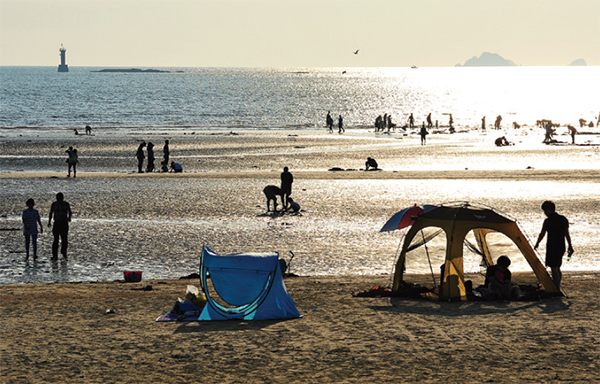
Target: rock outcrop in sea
487	59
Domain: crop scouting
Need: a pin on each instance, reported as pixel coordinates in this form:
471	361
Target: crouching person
498	285
271	192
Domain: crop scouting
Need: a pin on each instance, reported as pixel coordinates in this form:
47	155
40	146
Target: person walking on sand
341	125
150	150
31	219
411	121
60	210
423	133
140	157
286	187
72	161
329	121
557	227
429	122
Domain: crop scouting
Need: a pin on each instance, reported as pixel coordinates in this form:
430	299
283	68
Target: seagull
356	52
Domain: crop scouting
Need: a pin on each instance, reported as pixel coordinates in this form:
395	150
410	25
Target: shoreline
350	174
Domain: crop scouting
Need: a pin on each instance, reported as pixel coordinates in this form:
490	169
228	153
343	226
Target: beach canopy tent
457	220
249	286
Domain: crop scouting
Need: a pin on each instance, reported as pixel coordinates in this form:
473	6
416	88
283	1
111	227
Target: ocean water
40	97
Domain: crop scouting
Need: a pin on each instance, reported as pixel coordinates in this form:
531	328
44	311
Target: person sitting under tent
271	192
371	163
498	284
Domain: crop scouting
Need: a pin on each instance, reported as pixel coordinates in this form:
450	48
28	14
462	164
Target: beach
54	326
61	333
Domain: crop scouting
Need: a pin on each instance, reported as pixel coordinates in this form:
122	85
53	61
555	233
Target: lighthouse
63	67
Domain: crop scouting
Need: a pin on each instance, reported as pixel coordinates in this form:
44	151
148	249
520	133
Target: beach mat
174	317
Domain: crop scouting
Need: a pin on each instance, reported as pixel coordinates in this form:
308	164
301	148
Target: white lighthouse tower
63	67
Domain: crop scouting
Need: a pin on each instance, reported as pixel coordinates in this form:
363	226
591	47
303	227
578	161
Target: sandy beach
54	328
60	333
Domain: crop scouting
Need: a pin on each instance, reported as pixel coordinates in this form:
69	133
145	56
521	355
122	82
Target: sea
36	100
271	98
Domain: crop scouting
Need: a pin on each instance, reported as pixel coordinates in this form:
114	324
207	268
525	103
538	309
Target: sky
297	33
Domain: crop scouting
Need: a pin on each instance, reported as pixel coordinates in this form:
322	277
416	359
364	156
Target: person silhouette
60	210
72	161
423	133
31	219
150	150
140	156
341	125
329	121
286	187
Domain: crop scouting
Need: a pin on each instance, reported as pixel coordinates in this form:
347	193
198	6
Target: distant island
131	70
487	59
579	62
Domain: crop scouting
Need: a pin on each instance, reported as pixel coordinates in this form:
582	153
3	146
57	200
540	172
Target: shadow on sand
472	308
226	325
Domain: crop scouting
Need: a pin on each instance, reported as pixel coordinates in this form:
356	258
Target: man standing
61	211
557	227
286	187
140	157
166	152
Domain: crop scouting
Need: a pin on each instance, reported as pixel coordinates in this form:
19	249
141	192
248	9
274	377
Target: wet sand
60	333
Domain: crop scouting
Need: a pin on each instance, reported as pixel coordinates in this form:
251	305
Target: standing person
498	121
451	123
341	124
329	121
61	211
411	121
286	187
88	130
166	152
549	133
557	227
483	123
150	150
140	156
429	122
72	161
31	219
390	125
423	133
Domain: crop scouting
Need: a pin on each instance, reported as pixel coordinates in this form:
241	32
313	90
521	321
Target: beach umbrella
406	217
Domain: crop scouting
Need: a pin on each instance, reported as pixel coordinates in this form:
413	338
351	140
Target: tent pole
396	257
428	259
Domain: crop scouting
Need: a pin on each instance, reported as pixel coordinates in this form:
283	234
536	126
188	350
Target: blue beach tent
249	284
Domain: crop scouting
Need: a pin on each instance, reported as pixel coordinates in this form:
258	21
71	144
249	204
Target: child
31	218
294	206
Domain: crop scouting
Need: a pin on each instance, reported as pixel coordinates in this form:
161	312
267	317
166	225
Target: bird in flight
356	52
